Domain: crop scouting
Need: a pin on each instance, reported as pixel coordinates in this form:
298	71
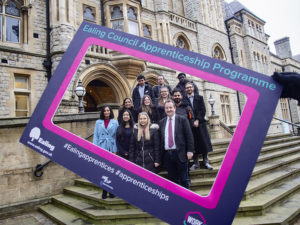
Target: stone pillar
214	127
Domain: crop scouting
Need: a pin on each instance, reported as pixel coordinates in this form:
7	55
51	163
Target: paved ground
32	218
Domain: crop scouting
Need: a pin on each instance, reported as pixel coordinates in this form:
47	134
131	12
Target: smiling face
106	113
147	101
177	97
164	92
127	103
181	78
170	109
126	117
189	89
143	120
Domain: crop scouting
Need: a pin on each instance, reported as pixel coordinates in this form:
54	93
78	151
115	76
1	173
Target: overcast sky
282	19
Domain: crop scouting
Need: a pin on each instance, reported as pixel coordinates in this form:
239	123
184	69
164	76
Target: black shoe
111	195
104	194
208	166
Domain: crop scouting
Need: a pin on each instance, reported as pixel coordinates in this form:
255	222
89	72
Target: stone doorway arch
104	86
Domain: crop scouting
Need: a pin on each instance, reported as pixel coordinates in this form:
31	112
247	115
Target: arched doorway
104	86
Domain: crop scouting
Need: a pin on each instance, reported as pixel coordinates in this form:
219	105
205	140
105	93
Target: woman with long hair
127	104
105	134
124	133
164	95
149	108
144	144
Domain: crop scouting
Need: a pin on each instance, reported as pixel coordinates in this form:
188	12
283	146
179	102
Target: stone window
21	91
89	13
125	18
284	109
218	53
10	21
147	30
117	18
226	108
133	25
251	27
181	42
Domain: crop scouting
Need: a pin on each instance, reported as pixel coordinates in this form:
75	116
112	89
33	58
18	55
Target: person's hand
196	123
156	164
290	83
189	155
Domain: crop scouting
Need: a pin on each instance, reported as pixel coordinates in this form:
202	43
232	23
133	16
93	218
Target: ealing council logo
194	218
35	134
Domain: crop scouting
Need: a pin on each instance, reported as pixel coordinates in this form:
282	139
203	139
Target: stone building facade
35	34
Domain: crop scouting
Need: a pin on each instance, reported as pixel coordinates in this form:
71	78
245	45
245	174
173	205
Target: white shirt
191	97
142	91
167	133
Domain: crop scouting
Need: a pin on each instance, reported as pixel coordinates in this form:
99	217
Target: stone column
214	127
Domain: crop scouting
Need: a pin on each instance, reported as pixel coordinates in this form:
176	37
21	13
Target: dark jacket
183	136
145	152
186	110
156	90
182	88
136	98
123	137
201	136
154	116
133	113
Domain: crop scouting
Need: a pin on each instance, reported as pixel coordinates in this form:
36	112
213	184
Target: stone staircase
272	195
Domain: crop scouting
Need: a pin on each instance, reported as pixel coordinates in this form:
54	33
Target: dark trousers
177	170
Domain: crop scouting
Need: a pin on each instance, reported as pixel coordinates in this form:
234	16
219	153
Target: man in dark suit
200	132
160	84
177	145
143	88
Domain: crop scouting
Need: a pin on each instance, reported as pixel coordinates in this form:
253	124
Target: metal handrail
293	124
38	172
226	127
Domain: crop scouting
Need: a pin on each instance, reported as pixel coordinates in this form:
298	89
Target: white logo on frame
35	133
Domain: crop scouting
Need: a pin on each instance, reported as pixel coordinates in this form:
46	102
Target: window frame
4	18
22	92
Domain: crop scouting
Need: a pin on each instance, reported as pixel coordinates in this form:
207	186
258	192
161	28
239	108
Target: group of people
158	127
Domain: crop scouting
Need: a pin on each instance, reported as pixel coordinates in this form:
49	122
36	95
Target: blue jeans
177	170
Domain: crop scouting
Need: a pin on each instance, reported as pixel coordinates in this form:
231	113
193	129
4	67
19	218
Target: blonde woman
164	95
144	144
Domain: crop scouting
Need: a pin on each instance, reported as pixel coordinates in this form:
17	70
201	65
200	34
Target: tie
170	139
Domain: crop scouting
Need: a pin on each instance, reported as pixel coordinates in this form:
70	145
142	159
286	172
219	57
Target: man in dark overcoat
201	136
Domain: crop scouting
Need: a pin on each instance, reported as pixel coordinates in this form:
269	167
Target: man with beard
183	107
200	132
181	84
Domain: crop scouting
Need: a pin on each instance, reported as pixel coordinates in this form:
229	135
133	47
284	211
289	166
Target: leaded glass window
88	14
10	22
131	14
146	31
116	13
117	18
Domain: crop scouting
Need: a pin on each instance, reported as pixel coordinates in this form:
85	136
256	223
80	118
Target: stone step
85	213
263	183
94	196
263	201
269	153
272	145
61	216
283	213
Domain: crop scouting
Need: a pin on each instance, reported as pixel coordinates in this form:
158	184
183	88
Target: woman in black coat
127	104
124	133
144	144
